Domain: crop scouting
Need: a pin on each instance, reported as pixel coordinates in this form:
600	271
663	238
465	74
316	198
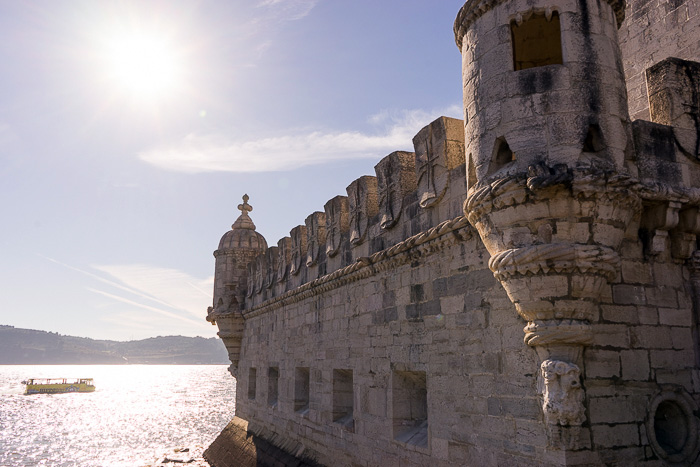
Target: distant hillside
29	347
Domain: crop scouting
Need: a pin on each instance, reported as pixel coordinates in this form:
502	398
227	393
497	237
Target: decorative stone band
555	257
655	191
540	180
554	332
424	243
474	9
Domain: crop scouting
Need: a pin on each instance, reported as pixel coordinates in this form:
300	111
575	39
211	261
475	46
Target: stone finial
244	221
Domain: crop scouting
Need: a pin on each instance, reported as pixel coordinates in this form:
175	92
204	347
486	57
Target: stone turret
548	151
238	247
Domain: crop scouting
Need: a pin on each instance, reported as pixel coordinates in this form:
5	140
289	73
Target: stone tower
238	247
548	145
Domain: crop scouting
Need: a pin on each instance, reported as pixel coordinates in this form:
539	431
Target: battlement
410	193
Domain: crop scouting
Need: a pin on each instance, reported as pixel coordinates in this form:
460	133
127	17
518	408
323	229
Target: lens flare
144	66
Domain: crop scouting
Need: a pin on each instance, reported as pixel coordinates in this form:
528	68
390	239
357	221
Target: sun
143	66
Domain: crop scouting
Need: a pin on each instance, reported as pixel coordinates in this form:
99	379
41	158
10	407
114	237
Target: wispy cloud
160	311
169	287
169	293
288	10
216	153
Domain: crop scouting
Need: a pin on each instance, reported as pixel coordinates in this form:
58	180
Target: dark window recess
273	375
536	42
594	139
302	382
502	155
252	382
343	398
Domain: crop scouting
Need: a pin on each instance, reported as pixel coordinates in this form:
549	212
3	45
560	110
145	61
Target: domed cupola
238	247
242	233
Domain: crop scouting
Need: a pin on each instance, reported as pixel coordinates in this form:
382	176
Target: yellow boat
58	385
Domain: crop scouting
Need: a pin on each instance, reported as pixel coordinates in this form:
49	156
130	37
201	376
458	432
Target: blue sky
129	131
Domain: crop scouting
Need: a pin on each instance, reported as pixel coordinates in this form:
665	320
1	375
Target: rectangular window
301	390
273	379
343	401
536	41
410	407
252	382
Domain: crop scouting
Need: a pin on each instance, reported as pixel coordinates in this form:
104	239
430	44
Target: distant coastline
31	347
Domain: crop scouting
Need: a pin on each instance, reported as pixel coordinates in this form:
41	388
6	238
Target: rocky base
240	446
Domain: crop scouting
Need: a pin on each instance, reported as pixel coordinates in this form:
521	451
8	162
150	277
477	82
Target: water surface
136	415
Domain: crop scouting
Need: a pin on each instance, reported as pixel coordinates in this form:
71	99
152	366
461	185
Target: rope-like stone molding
552	332
508	191
556	257
426	242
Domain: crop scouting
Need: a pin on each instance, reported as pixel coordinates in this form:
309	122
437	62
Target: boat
58	385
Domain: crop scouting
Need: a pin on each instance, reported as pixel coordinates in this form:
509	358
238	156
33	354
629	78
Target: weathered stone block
616	435
635	365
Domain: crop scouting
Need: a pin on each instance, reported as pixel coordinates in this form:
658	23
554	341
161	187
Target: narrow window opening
410	407
502	155
594	139
273	376
471	172
343	401
536	41
252	382
301	390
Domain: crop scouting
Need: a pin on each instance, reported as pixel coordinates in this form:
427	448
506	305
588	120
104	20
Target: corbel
684	236
657	220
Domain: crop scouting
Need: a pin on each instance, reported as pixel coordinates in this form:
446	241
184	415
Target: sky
130	130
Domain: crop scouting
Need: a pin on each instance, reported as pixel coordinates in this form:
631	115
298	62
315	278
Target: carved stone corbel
657	221
561	392
684	236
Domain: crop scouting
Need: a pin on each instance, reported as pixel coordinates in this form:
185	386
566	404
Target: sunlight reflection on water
136	413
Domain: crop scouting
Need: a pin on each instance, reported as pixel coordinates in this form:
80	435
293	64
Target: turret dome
242	233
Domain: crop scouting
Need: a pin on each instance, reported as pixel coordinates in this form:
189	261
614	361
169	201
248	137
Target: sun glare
143	66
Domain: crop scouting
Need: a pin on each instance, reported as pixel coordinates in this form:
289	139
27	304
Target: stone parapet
410	194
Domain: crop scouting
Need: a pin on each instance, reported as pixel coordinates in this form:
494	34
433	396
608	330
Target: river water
138	415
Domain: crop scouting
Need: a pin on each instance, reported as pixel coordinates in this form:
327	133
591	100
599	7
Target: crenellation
521	289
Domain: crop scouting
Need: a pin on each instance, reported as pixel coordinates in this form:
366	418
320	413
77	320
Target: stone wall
654	30
502	302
